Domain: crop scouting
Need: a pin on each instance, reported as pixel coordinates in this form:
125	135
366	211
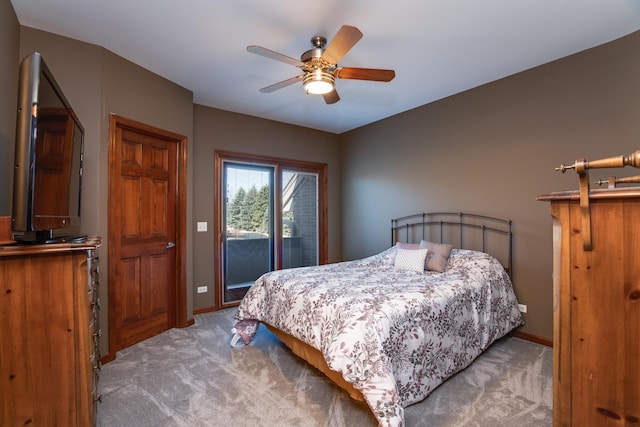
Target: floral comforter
394	334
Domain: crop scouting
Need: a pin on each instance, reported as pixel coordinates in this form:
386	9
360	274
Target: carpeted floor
192	377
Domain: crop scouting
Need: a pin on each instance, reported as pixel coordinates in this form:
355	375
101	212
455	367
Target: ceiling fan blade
364	74
346	37
280	85
259	50
331	97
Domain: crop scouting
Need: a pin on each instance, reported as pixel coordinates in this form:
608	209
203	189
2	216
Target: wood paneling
597	310
48	352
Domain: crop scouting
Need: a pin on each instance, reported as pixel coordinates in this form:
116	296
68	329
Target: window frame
279	164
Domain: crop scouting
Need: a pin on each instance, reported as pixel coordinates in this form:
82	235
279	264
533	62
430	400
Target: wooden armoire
49	334
596	306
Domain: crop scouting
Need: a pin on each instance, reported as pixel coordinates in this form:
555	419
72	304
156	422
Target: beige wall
9	58
98	83
492	150
222	130
134	93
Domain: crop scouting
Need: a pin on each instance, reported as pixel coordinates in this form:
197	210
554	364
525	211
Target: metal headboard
425	225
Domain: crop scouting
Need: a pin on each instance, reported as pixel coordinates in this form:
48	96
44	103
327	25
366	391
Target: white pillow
410	259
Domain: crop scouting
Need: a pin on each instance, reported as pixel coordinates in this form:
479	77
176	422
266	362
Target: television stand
67	239
47	237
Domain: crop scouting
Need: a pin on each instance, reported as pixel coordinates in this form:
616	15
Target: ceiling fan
320	65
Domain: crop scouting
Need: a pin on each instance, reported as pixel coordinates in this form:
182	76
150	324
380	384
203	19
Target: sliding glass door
299	200
270	216
248	224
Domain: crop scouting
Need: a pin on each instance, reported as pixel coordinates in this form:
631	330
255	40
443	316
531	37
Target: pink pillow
401	245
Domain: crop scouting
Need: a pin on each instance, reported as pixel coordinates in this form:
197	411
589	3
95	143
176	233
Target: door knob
170	245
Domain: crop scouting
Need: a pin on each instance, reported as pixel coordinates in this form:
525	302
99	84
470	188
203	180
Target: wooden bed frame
469	231
315	358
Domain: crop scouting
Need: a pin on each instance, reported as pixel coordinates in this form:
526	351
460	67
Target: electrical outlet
522	308
202	289
202	226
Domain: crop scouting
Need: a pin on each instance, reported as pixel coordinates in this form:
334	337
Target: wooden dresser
596	342
49	334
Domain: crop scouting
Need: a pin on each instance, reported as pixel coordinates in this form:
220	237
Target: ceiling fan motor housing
315	53
313	57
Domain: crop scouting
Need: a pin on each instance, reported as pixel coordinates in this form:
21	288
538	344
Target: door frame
115	122
221	156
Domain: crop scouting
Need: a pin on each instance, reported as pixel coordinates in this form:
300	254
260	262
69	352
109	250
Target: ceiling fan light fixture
318	82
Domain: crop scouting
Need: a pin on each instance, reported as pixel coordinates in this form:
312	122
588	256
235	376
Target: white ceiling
437	47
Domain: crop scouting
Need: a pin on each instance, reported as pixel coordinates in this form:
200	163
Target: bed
391	327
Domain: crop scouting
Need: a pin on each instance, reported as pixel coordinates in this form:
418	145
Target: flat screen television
49	146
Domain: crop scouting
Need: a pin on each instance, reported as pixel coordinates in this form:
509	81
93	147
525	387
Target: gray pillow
437	255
